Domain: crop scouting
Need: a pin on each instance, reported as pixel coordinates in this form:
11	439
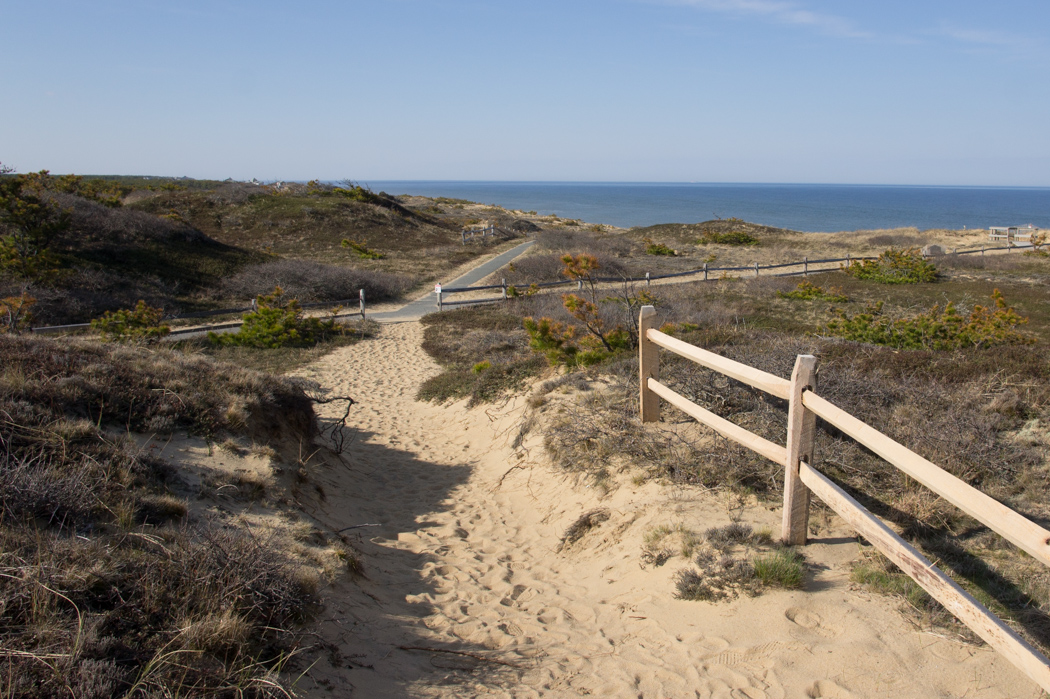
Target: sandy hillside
467	595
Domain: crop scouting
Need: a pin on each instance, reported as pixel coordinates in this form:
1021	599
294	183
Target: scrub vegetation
108	585
956	369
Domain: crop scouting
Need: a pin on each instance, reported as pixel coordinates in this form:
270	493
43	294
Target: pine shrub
895	266
808	291
277	323
936	329
141	324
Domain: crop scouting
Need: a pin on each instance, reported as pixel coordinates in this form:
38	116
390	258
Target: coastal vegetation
973	365
113	582
120	576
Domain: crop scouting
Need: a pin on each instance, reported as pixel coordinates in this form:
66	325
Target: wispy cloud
783	13
983	37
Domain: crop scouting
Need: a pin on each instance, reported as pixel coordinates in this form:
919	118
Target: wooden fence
471	233
253	306
705	273
801	480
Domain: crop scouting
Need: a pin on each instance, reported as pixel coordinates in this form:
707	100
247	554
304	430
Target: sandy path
461	563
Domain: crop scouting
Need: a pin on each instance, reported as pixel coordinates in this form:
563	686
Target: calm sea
798	207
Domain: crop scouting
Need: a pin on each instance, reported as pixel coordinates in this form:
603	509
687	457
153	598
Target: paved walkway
428	304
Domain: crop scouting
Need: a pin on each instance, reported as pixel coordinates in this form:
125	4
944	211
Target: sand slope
466	563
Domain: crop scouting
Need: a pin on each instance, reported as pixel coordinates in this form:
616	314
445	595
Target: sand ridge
466	593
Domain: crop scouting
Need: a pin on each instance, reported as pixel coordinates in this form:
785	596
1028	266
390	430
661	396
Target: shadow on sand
372	638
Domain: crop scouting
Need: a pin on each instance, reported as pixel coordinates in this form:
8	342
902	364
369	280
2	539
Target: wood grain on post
800	426
648	366
1012	526
942	588
774	385
759	445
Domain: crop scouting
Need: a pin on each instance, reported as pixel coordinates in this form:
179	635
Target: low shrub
727	238
895	266
361	250
311	281
277	323
718	577
808	291
105	591
15	313
141	324
483	352
936	329
653	248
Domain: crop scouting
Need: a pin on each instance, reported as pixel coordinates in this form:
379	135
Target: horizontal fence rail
705	271
360	300
801	480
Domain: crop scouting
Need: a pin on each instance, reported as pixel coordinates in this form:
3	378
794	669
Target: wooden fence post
756	269
361	294
801	424
503	283
648	366
705	271
646	280
805	266
579	285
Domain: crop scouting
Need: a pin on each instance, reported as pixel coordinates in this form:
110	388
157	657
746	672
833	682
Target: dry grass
979	413
311	281
418	241
105	588
483	351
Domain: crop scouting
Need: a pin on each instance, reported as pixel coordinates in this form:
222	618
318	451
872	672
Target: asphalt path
413	310
428	304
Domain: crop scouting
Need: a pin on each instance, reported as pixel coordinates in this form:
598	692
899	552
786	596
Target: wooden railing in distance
801	480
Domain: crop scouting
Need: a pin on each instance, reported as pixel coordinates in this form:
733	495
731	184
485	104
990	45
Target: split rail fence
360	300
801	480
706	273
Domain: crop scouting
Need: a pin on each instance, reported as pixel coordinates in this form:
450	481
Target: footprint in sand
826	689
808	620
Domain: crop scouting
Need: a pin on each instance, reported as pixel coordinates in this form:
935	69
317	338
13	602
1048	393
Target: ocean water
795	206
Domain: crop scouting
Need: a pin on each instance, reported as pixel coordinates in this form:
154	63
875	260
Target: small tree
895	266
141	324
15	314
28	224
559	341
276	323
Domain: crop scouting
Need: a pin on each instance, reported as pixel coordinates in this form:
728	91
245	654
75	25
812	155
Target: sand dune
464	564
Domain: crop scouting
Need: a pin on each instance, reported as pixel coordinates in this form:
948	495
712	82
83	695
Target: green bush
652	248
143	323
277	323
361	251
936	329
895	266
729	238
808	291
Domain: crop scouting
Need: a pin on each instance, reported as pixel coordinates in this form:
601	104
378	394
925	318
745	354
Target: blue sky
889	92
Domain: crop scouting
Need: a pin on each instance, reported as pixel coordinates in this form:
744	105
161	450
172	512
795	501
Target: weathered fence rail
360	300
801	480
706	272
